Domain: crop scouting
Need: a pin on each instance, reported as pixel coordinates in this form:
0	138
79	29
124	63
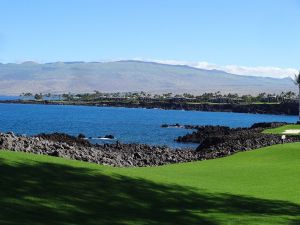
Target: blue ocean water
127	125
14	97
9	97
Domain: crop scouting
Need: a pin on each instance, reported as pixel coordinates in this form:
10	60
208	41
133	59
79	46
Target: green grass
255	187
280	130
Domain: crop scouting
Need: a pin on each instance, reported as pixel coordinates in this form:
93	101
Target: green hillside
255	187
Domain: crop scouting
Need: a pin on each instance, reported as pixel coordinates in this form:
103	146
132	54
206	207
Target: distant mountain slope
129	76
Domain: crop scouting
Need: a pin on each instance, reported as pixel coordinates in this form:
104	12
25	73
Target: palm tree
297	82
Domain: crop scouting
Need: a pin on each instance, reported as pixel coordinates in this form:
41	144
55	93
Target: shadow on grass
52	194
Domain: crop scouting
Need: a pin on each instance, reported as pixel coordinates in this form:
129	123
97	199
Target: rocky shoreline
214	142
231	140
119	155
287	108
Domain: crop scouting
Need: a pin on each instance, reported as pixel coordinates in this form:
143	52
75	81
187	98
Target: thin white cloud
265	71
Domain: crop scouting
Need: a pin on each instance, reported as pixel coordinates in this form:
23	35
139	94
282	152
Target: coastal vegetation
284	103
297	82
215	97
256	187
149	112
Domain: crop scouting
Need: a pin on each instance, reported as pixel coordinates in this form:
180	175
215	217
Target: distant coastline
288	108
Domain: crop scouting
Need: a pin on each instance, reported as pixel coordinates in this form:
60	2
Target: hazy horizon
130	76
256	37
274	72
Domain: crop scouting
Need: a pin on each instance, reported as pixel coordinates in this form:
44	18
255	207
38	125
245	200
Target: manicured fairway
255	187
283	129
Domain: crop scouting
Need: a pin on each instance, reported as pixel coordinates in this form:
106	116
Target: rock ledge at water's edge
227	142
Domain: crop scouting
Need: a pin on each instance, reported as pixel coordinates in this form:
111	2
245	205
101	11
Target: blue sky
223	32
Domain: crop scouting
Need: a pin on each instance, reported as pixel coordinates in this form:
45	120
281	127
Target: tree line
216	97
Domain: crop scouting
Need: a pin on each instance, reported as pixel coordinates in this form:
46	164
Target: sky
259	37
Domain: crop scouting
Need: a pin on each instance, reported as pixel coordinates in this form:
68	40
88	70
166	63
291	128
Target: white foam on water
100	138
103	138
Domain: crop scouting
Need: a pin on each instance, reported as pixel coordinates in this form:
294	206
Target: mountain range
125	76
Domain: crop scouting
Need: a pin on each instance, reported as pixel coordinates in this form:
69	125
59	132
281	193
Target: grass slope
280	130
255	187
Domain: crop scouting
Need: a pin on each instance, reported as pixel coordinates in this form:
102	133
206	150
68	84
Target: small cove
128	125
